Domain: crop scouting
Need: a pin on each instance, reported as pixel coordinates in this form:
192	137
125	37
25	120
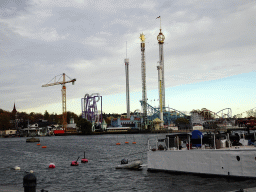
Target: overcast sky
209	44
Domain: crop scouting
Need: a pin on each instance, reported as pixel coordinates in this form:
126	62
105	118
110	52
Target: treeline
8	120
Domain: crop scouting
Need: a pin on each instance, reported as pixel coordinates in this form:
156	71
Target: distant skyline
235	92
209	53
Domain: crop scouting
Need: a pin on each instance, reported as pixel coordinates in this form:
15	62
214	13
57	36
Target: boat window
238	158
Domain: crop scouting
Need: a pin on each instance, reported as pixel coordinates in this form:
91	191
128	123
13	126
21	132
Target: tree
108	120
182	120
46	115
72	115
84	126
5	121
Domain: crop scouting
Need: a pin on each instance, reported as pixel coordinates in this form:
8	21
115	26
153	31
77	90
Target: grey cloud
12	8
88	43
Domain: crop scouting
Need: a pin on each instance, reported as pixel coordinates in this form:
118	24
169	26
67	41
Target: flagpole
160	22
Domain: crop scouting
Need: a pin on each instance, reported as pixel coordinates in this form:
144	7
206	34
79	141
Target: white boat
136	164
211	158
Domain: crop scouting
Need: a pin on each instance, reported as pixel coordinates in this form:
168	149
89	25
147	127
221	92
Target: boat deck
250	147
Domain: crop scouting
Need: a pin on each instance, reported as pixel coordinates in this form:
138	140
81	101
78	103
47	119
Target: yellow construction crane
63	91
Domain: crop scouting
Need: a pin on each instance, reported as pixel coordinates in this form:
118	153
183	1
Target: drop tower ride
143	76
160	39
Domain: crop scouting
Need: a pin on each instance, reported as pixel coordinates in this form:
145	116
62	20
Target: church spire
14	109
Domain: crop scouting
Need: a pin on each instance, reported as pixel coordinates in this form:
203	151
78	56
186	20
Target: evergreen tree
84	126
46	115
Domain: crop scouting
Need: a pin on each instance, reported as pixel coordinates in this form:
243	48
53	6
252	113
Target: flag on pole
158	17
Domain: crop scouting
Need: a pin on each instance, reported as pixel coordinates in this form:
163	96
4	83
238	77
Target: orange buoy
43	146
38	144
133	141
126	142
118	143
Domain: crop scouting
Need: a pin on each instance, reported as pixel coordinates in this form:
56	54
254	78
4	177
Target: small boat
136	164
33	139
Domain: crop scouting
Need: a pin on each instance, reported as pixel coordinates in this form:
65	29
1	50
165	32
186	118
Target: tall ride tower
126	61
161	116
160	39
143	75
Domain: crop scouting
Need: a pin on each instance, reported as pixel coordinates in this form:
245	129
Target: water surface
100	173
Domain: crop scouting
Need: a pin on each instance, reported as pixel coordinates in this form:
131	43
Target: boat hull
228	162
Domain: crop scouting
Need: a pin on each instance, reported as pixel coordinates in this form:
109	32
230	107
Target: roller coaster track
218	115
227	115
183	114
170	114
153	110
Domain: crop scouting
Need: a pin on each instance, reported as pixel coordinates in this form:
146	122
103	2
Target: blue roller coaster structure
170	114
225	113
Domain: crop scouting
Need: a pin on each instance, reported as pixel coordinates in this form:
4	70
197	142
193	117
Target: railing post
214	142
29	183
189	142
168	143
201	141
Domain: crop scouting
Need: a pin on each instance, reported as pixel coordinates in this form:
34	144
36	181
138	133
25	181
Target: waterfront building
133	122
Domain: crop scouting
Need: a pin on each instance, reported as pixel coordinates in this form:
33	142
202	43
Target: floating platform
33	139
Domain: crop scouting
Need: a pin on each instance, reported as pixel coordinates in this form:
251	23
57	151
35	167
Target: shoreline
141	132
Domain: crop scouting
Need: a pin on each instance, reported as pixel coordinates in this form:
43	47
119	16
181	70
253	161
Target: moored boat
204	154
33	139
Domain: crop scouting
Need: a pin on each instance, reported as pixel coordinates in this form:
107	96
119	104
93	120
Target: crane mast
64	98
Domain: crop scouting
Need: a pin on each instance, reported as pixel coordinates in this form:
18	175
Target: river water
99	174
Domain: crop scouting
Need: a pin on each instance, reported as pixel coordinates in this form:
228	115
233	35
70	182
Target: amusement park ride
89	107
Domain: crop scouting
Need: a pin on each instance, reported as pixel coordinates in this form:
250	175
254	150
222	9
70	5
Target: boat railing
215	141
